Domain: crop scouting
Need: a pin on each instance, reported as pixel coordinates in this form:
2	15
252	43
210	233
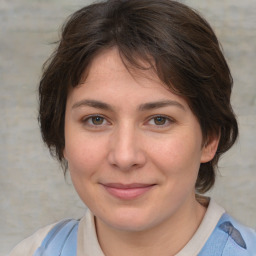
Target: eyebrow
160	104
142	107
92	103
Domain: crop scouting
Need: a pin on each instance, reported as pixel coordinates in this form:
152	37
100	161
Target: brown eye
97	120
96	123
160	120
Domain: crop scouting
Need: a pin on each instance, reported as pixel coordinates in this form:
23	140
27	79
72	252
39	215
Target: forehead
108	79
111	63
109	66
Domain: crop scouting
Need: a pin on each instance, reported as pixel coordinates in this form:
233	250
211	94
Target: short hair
174	39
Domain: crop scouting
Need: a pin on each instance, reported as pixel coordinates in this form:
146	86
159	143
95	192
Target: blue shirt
229	238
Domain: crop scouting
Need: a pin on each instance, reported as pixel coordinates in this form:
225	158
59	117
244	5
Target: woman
135	103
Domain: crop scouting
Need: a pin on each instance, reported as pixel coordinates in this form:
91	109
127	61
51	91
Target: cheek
83	164
178	156
82	158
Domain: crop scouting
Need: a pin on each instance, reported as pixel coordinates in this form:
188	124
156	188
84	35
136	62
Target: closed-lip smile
127	191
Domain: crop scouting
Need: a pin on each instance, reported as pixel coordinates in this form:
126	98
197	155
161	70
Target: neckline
88	242
208	224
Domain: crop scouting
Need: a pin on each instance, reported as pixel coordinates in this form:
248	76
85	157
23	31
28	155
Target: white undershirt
208	224
88	244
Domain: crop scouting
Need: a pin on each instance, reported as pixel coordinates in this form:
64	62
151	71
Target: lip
127	191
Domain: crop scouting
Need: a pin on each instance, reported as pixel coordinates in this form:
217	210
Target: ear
209	148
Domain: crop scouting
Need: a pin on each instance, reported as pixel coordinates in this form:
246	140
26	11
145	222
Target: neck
165	239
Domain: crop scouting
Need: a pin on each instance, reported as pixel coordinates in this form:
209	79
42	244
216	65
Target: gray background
33	192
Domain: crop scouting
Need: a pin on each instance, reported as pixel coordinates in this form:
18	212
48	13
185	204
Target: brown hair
185	53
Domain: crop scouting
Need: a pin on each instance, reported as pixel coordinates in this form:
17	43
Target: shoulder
240	237
50	239
231	238
29	245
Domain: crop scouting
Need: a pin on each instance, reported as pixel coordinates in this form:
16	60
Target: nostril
126	161
125	150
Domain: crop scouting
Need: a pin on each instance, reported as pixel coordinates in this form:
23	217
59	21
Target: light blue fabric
60	241
229	238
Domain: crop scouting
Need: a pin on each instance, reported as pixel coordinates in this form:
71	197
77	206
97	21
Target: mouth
127	191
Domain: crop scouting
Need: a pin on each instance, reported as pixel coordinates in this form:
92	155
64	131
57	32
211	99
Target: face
133	147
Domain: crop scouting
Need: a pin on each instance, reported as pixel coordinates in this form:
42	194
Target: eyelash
167	121
89	122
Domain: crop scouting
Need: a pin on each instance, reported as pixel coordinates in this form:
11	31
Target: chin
130	221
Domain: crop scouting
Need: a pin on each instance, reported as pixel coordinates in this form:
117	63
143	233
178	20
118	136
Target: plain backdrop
33	192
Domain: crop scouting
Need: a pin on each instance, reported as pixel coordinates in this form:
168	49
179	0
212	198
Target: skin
125	130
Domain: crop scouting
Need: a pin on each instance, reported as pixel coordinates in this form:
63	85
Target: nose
126	149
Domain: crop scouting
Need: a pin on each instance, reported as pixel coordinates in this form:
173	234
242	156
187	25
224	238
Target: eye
95	121
159	120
